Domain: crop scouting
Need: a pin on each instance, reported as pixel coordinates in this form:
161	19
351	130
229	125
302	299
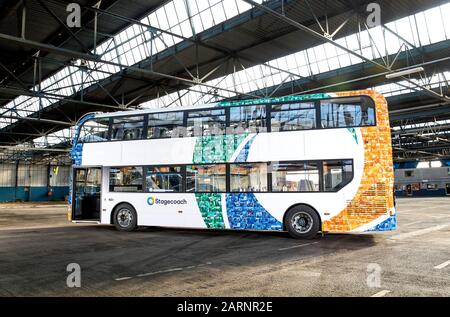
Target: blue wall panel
422	193
9	194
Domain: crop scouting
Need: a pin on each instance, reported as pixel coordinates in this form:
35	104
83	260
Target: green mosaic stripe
210	206
214	149
272	100
353	132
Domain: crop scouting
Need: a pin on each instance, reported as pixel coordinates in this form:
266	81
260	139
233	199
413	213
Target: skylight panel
230	8
180	9
207	19
445	16
422	28
434	23
243	6
171	14
218	13
193	9
319	52
202	5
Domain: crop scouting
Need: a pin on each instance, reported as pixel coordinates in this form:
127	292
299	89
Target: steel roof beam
329	40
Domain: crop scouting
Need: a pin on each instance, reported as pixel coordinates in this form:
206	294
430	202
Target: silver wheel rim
302	222
124	217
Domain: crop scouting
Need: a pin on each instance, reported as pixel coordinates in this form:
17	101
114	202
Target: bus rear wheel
125	217
302	222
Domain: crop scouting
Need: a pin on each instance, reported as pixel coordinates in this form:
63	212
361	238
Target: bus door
447	189
86	194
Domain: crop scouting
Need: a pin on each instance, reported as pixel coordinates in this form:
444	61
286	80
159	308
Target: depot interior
149	54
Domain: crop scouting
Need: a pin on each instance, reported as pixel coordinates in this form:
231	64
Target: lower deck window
125	179
295	177
164	179
289	176
206	178
336	174
248	177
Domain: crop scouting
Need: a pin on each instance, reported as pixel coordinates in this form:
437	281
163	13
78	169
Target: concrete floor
37	243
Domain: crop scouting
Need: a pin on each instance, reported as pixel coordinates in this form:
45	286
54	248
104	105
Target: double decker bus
302	164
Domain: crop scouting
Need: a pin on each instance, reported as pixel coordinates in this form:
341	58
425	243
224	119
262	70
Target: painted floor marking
418	232
381	293
162	271
442	265
298	246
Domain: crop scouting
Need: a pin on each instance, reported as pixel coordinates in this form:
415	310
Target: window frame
319	118
184	134
344	184
108	135
144	127
216	192
315	106
182	172
226	115
269	186
319	168
316	102
133	192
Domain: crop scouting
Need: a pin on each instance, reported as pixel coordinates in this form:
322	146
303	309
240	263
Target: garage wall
24	182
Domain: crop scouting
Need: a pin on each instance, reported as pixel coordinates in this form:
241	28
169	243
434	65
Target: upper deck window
165	125
251	119
291	117
347	112
95	130
206	122
127	128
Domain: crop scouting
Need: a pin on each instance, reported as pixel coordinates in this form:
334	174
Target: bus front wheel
302	222
125	217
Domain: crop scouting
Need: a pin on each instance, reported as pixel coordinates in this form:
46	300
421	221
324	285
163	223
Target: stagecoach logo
152	201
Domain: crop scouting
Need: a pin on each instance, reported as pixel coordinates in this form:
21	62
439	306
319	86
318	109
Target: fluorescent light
405	72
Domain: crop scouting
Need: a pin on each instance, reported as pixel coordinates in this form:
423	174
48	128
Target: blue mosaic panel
387	225
245	212
243	154
77	153
77	149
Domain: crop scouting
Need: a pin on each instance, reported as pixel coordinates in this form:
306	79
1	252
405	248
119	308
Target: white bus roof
156	110
218	105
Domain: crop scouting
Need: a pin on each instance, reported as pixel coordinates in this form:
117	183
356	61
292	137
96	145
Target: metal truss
429	140
155	82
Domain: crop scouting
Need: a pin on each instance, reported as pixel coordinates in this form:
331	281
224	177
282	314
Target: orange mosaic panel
375	194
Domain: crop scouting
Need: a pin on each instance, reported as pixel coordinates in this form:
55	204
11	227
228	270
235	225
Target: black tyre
302	222
125	217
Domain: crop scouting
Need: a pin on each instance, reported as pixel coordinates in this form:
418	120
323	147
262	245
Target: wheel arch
113	210
297	205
